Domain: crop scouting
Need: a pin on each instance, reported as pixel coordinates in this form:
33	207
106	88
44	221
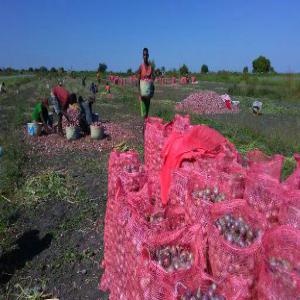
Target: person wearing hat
40	114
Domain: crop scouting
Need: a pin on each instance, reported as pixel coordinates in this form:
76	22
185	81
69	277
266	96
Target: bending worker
40	114
61	99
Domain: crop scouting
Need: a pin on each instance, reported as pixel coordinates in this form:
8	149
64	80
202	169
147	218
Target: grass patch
11	164
50	185
289	166
34	293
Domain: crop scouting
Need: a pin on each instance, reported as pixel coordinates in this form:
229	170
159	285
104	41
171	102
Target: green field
54	206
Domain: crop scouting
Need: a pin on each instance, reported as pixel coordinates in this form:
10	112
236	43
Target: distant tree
61	70
43	69
183	70
53	70
102	68
272	70
163	69
30	69
129	71
245	70
261	65
204	69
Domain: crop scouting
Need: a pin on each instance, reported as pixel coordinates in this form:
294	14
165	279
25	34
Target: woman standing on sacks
145	77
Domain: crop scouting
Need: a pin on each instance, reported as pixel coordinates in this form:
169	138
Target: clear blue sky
80	34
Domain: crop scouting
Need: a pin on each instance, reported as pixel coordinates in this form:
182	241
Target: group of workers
66	105
62	100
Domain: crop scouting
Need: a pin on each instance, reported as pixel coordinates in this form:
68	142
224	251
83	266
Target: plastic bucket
97	132
72	133
146	88
34	129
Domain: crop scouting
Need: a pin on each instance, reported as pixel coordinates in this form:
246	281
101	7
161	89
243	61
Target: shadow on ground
26	248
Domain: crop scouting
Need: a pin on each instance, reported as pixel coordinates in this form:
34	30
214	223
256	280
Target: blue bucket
33	129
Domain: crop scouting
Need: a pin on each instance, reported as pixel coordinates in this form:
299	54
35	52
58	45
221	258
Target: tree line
260	65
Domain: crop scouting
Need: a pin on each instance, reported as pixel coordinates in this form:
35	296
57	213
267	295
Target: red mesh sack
155	281
156	133
124	235
289	212
178	187
265	195
115	219
293	181
231	288
279	277
258	162
139	230
225	258
153	182
227	165
145	219
198	205
176	218
124	165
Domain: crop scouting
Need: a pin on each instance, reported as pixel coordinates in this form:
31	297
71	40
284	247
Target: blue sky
79	34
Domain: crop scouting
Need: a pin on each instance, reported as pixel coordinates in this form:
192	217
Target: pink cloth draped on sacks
198	140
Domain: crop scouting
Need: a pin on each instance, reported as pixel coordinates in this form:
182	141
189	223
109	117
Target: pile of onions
205	102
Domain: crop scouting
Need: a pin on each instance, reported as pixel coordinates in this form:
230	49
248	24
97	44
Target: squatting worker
257	107
145	78
61	99
40	114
